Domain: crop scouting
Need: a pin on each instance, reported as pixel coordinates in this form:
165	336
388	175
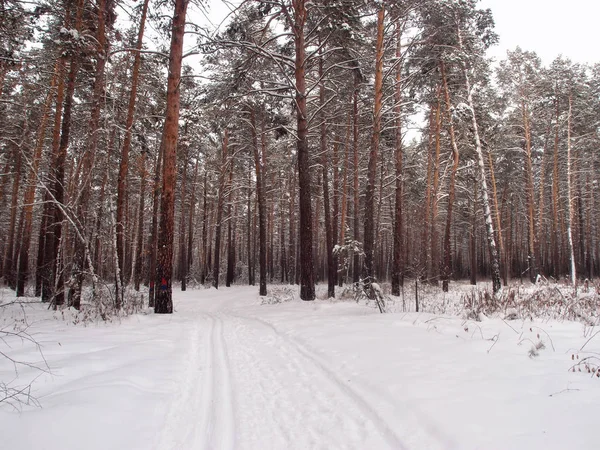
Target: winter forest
334	141
366	155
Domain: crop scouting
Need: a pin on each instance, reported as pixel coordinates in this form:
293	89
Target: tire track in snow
303	362
220	427
180	430
420	436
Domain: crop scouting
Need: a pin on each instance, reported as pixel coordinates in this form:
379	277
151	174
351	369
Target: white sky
548	27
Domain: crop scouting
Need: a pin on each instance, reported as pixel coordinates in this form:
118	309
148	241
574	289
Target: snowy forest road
226	371
246	384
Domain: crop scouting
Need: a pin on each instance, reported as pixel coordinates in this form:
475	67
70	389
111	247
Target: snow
226	371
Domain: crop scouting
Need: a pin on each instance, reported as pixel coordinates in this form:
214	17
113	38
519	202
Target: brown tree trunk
219	219
153	238
425	249
485	203
182	220
262	206
531	236
356	202
164	272
139	253
369	236
230	234
446	264
124	163
55	288
398	260
29	196
433	275
8	265
556	266
292	233
105	9
190	241
307	278
342	240
473	243
572	269
331	269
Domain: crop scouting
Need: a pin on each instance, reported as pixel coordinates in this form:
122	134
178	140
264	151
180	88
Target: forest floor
226	371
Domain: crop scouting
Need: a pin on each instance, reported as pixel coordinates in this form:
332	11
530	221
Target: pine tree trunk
369	236
81	248
446	263
342	240
307	278
230	234
433	275
262	207
556	266
356	202
164	272
124	163
398	261
29	196
531	236
489	225
572	269
425	249
331	269
8	265
190	241
219	219
139	251
153	238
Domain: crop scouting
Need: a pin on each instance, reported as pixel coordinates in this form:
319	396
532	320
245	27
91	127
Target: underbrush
538	302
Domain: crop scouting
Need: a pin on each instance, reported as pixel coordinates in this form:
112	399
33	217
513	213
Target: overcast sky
548	27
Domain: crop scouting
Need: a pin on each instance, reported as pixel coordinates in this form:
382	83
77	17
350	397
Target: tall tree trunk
433	275
307	278
164	272
398	261
105	9
446	263
369	236
531	236
292	233
182	219
262	206
249	228
124	163
29	196
153	238
572	270
219	219
137	272
356	200
473	243
190	241
46	261
342	240
489	224
331	269
501	250
58	164
230	233
8	265
425	251
556	266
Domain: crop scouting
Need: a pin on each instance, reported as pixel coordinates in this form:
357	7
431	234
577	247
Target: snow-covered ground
227	372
